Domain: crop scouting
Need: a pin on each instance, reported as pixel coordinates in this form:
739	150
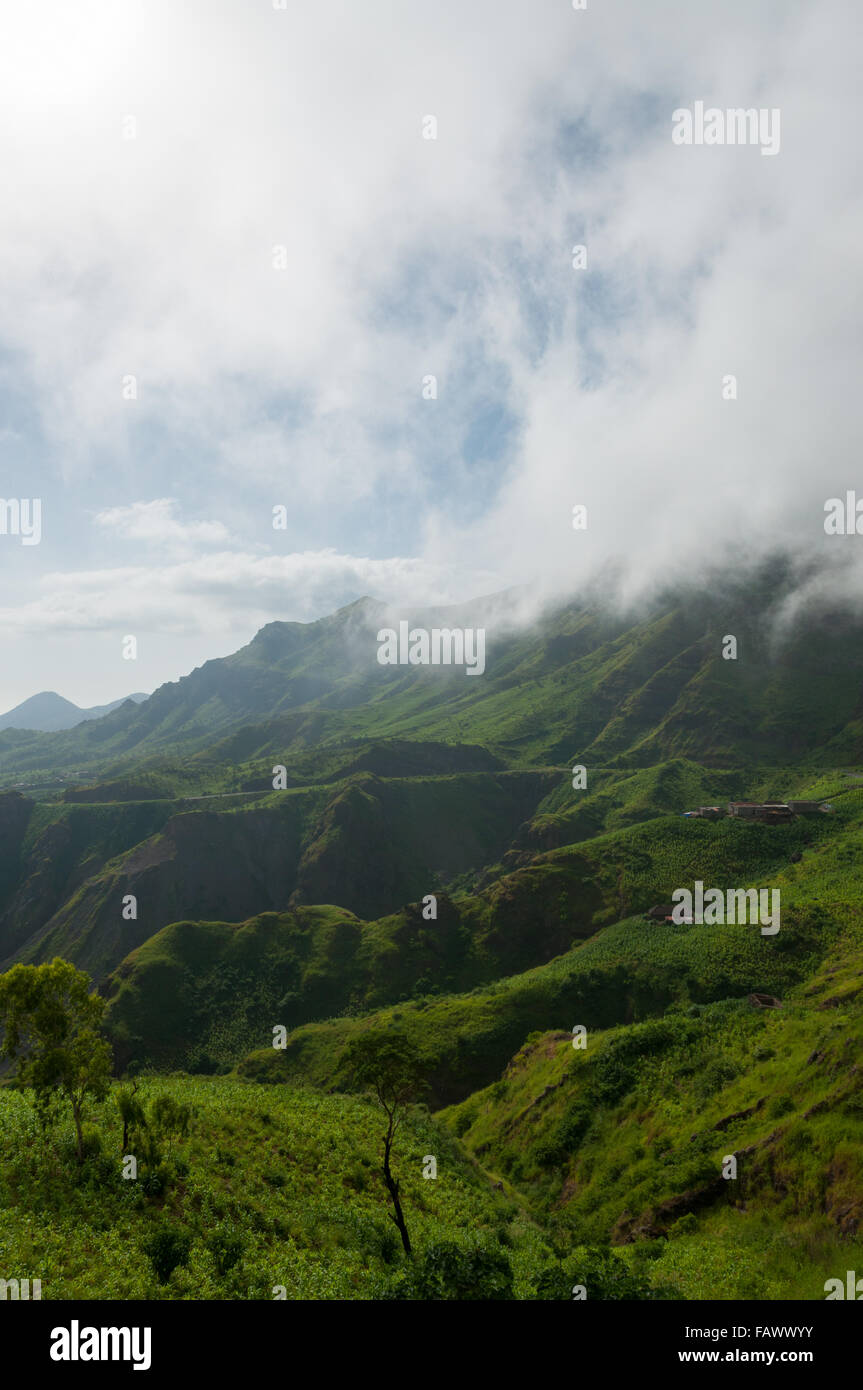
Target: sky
231	260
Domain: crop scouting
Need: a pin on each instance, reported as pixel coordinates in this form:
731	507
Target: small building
804	808
661	913
764	1001
768	812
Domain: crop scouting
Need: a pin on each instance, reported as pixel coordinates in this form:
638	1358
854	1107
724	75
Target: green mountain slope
582	681
632	969
270	1190
625	1141
296	970
310	909
368	843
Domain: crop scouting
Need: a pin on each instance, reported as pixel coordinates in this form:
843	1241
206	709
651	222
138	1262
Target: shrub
573	1126
155	1180
356	1178
714	1076
168	1117
388	1246
602	1273
167	1249
226	1248
463	1121
782	1105
92	1146
547	1153
450	1271
683	1226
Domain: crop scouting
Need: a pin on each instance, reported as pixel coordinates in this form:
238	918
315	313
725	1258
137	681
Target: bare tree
389	1065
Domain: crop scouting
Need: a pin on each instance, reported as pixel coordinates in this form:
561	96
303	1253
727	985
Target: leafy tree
167	1248
131	1110
226	1247
450	1271
389	1065
603	1274
148	1127
50	1024
168	1117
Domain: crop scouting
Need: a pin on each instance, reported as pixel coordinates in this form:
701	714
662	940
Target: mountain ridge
48	712
587	678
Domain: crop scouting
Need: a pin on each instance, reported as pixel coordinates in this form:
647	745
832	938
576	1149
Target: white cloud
227	590
302	128
155	523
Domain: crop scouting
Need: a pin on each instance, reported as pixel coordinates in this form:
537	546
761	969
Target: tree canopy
49	1021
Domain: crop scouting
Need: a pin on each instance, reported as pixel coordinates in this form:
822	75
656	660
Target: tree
389	1065
148	1127
168	1249
50	1022
600	1272
131	1110
450	1271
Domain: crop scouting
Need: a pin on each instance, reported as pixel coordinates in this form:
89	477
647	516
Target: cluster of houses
768	812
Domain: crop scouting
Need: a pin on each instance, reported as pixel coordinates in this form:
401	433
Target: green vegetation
49	1024
624	1141
269	1188
428	910
200	994
391	1067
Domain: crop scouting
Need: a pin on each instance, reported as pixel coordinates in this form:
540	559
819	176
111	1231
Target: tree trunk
76	1111
126	1121
393	1189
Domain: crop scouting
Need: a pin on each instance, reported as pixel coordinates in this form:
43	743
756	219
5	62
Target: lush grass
625	1140
631	969
209	990
293	1175
405	782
